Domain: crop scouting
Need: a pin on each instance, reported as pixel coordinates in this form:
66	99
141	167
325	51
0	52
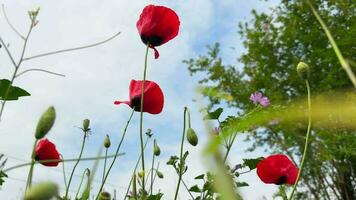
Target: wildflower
236	167
157	25
46	150
217	130
277	169
153	97
258	98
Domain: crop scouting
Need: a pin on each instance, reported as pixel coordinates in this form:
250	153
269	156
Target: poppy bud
42	191
104	196
45	123
303	70
159	174
107	142
86	124
156	149
192	137
141	174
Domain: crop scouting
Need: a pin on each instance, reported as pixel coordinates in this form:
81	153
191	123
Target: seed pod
192	137
104	196
160	174
42	191
86	124
107	142
303	70
156	149
45	123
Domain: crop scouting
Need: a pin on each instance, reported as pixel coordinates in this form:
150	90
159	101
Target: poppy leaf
252	163
241	184
195	188
201	176
155	196
9	92
213	115
2	176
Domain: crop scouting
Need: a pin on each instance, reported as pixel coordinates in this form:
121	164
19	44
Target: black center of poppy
37	158
136	103
152	40
281	180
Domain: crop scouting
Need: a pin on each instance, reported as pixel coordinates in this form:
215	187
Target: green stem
186	187
153	161
30	173
181	165
80	184
306	141
76	164
106	154
134	172
117	151
141	119
64	172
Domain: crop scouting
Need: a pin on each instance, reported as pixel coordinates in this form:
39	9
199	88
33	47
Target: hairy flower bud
107	142
86	124
160	174
104	196
192	137
156	149
45	123
42	191
303	70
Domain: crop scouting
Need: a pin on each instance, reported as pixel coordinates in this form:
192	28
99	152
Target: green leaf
213	115
155	197
2	176
252	163
241	184
201	176
195	188
9	92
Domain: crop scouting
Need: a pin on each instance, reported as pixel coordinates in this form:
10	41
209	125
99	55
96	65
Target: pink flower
258	98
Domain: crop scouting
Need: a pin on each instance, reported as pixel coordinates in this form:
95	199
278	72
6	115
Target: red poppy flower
153	97
46	150
277	169
157	25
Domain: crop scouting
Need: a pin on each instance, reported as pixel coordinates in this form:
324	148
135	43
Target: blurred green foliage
275	43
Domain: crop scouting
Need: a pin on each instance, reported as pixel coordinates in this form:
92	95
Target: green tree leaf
9	92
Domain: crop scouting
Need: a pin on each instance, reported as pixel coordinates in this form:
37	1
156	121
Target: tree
275	44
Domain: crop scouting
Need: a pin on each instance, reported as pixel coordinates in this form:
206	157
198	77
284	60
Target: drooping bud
303	70
156	149
45	123
149	132
86	124
104	196
107	142
141	174
192	137
42	191
160	174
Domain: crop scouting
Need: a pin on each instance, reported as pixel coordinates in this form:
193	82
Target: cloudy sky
96	77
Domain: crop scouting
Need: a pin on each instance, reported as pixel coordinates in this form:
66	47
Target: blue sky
98	76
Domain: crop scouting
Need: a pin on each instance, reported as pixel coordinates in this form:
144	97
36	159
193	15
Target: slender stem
141	118
134	171
30	173
10	24
117	151
64	172
228	148
186	187
8	52
40	70
152	169
72	49
181	164
80	184
306	141
76	164
106	154
338	53
61	160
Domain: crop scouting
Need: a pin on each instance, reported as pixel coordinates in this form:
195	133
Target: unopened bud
42	191
303	70
156	149
192	137
160	174
86	124
45	123
141	174
104	196
107	142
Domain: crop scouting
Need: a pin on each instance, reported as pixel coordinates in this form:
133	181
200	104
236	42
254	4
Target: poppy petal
46	150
